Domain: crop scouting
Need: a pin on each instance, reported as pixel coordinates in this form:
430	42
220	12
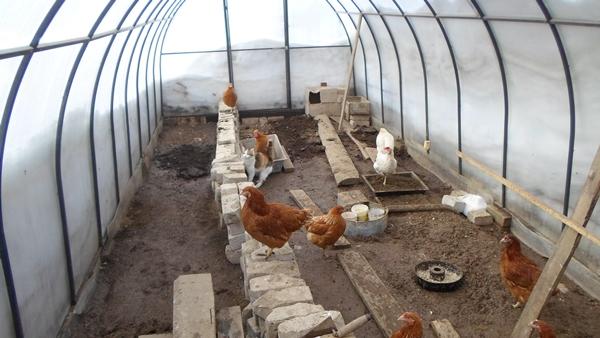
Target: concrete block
229	323
235	229
263	284
230	206
285	253
216	174
233	255
236	241
228	189
194	307
284	313
226	136
329	94
253	269
457	193
252	330
453	202
331	108
480	217
234	178
349	198
265	304
300	326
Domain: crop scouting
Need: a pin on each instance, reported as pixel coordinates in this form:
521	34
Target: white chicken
384	139
385	163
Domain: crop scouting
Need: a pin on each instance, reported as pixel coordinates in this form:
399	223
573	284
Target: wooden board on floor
384	308
288	166
303	201
341	164
444	329
372	153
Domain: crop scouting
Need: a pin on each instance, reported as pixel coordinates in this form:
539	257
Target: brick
229	323
273	299
252	330
234	177
193	306
300	326
260	285
285	253
480	217
230	204
227	189
235	229
233	255
236	241
284	313
253	269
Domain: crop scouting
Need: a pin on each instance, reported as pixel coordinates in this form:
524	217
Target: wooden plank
372	152
350	68
444	329
360	145
556	265
419	207
288	166
341	164
384	308
534	200
501	216
303	201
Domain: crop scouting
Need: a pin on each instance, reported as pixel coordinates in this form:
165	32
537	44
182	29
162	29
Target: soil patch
189	161
400	182
171	229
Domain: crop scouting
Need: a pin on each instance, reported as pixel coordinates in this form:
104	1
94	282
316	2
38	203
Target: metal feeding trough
438	276
279	155
405	182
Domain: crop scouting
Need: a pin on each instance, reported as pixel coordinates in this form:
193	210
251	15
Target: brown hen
272	224
229	96
323	231
519	273
544	329
413	327
262	143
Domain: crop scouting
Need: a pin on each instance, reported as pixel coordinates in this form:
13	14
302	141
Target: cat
258	163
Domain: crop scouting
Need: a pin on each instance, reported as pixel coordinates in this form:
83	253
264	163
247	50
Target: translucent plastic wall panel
511	8
8	68
413	6
129	64
312	23
139	83
77	164
309	67
195	82
256	23
260	79
413	92
574	10
6	324
457	7
482	104
74	19
30	204
149	84
120	116
199	25
114	15
583	49
441	87
102	137
538	120
20	20
135	12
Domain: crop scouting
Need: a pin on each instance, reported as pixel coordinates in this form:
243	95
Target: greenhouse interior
299	168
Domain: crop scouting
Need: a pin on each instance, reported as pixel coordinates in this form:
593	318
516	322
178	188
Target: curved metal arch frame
421	56
362	48
456	77
490	31
4	124
58	157
400	96
378	60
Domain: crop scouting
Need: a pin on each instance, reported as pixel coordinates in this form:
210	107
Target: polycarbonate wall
515	91
270	57
80	89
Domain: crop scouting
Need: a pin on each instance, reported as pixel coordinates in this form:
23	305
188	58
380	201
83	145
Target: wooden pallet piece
303	201
502	217
344	171
444	329
384	308
565	248
288	166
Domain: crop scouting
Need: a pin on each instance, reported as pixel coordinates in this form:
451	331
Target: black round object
438	276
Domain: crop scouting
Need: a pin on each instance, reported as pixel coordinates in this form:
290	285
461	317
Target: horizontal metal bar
485	18
12	52
251	49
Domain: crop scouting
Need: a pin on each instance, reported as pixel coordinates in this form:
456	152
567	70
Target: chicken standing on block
385	163
272	224
229	96
413	327
544	329
323	231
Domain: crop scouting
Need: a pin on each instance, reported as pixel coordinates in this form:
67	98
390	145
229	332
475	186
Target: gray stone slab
230	207
260	285
229	323
285	253
273	299
233	255
194	307
236	241
284	313
234	177
235	229
300	326
255	269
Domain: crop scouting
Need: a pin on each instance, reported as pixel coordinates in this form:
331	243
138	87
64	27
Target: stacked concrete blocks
358	111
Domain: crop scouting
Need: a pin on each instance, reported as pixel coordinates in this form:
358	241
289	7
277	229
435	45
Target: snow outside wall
31	217
538	128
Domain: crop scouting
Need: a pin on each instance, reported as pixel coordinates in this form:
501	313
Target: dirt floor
171	230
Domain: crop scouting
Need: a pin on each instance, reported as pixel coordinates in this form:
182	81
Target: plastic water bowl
370	227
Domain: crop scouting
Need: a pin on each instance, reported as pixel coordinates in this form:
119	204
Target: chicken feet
516	305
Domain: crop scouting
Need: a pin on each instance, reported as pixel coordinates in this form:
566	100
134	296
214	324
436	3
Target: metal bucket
367	228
